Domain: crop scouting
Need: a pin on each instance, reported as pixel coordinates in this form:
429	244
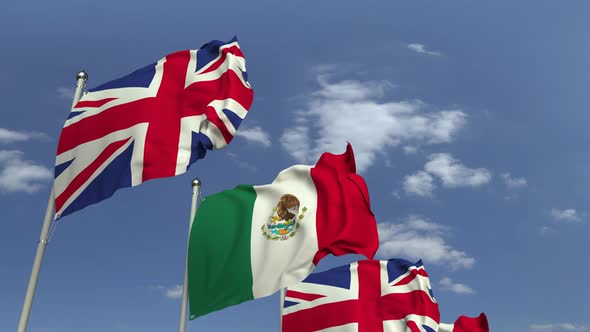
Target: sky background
469	121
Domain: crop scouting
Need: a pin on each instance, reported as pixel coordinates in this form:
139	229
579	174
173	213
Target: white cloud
352	111
565	215
555	327
350	90
446	284
20	175
513	183
11	136
420	48
66	93
408	149
174	292
255	134
454	174
420	184
418	238
295	140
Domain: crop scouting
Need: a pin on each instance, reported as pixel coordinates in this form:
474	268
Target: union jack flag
152	123
369	296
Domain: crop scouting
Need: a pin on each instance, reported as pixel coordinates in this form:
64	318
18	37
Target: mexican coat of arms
285	220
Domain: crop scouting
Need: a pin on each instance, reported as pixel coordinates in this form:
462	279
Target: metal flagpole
184	305
81	77
282	304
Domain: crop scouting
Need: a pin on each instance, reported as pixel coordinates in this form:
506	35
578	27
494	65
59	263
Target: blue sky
469	121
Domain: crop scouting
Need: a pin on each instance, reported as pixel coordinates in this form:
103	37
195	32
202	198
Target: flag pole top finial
82	75
196	182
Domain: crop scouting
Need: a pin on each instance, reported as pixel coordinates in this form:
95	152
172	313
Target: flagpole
81	78
182	326
282	304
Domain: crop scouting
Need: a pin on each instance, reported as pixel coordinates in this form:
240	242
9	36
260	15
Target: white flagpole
81	78
184	305
282	304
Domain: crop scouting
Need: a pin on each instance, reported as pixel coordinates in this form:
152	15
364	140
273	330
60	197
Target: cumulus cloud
352	111
555	327
20	175
295	140
417	238
420	184
350	90
408	149
255	135
513	182
420	48
565	215
446	284
174	292
453	174
449	170
12	136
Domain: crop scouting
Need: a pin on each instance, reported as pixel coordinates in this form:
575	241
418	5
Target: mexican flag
251	241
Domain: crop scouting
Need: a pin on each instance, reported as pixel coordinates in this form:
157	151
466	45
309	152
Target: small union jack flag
369	296
152	123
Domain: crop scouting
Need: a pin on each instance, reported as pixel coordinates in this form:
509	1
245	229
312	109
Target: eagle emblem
285	219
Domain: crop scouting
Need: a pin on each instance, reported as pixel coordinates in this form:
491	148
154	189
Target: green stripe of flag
219	265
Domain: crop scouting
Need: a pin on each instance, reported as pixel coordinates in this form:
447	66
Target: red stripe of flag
228	85
234	49
345	223
303	296
413	326
397	306
83	176
413	274
108	121
163	133
94	103
469	324
322	317
369	274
